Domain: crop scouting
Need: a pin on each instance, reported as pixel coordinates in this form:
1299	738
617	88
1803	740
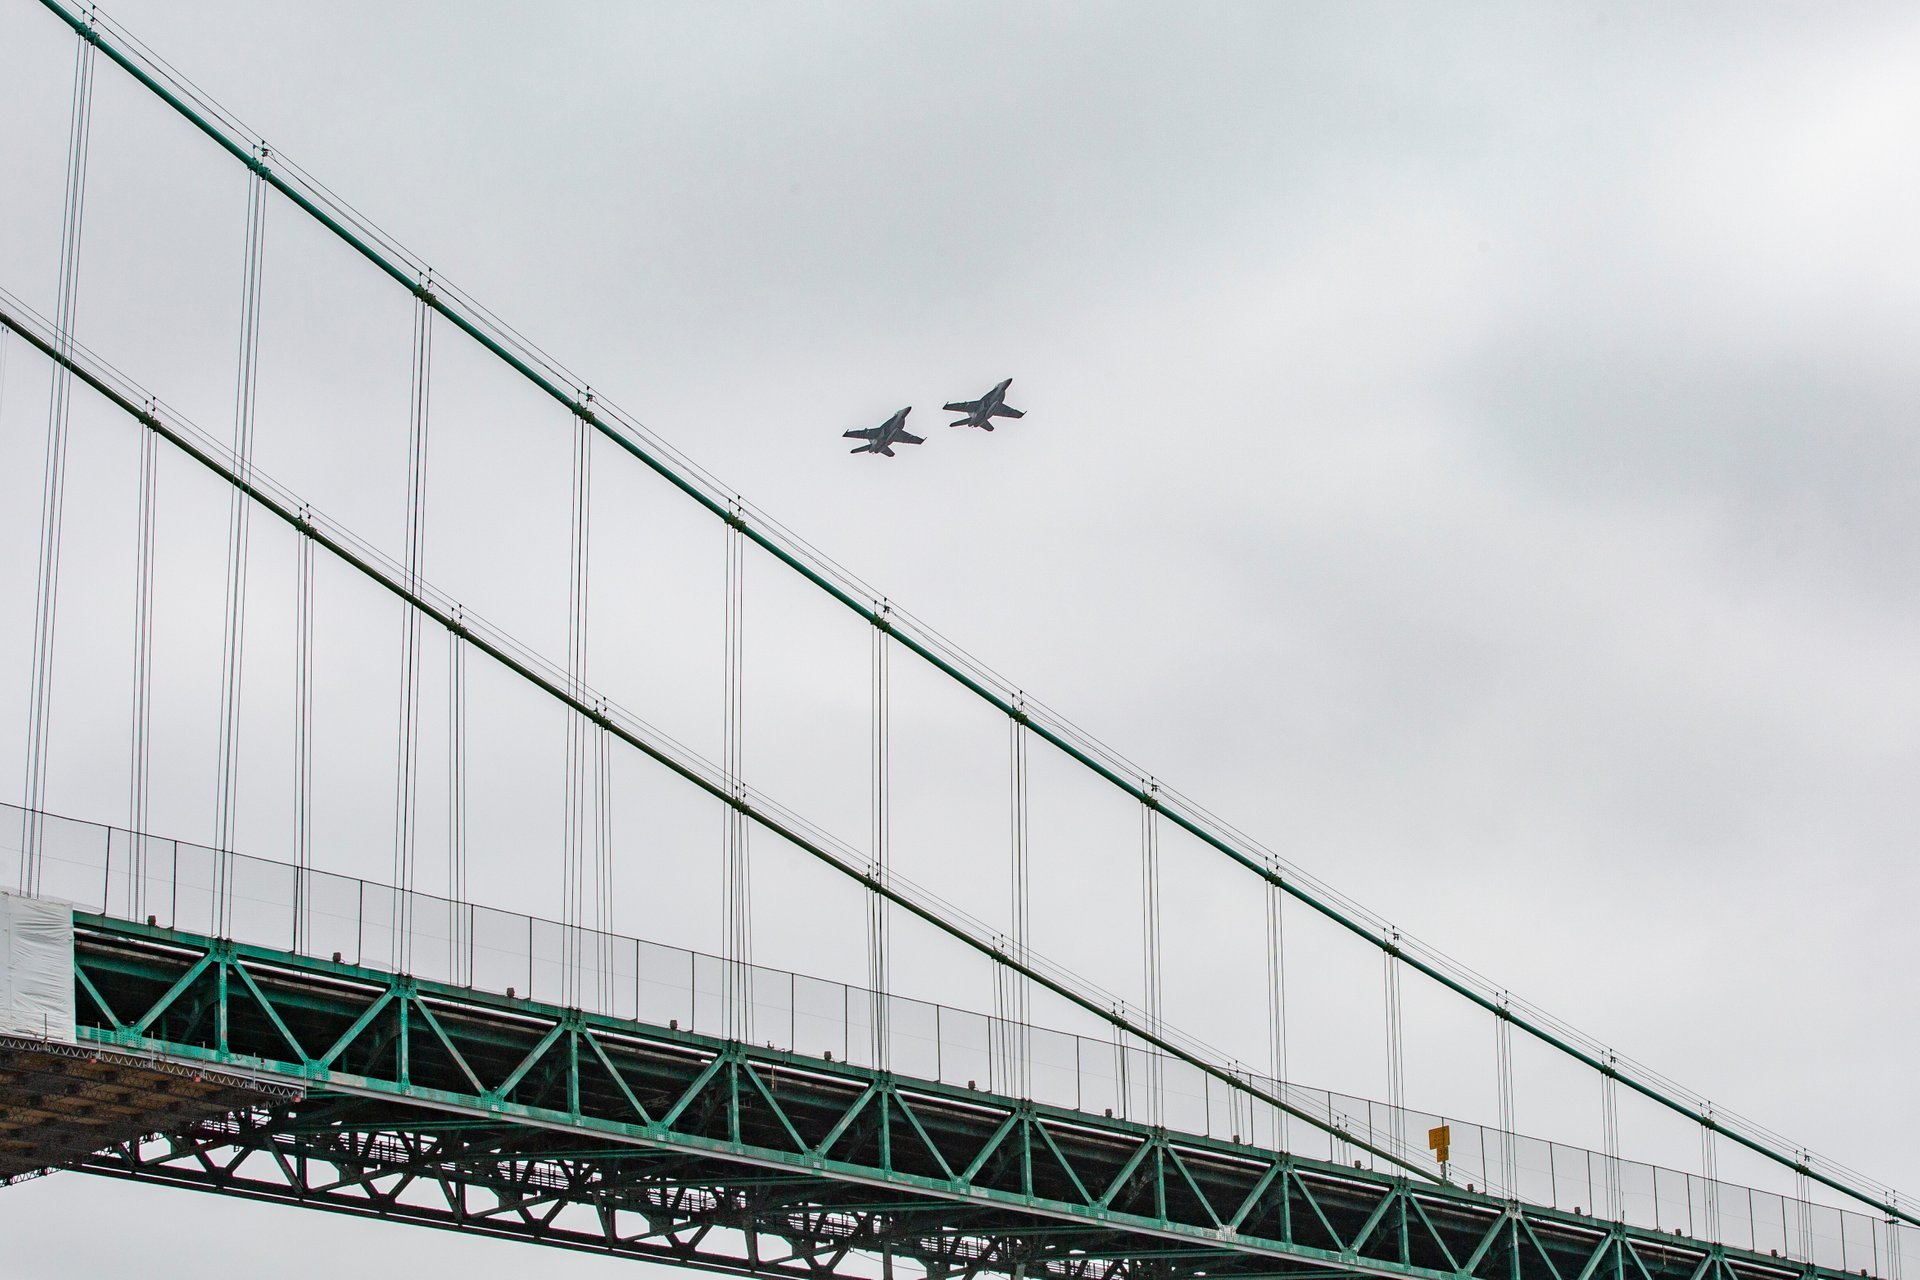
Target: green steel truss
448	1107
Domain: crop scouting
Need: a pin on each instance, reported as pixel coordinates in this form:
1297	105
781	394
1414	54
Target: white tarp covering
36	968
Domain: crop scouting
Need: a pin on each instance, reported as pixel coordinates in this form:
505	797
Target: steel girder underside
448	1107
59	1102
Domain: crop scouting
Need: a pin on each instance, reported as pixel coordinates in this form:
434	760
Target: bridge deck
452	1107
63	1102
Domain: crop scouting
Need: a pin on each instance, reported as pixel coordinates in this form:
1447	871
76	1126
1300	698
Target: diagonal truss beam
496	1179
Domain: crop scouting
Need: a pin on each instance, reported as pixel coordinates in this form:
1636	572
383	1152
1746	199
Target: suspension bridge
205	1016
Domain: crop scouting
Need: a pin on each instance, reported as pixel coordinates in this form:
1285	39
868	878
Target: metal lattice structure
446	1107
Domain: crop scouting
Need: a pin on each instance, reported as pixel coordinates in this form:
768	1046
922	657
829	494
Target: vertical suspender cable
877	905
743	829
1150	948
578	786
603	858
1012	995
999	1061
239	512
589	889
1896	1240
1503	1081
459	938
406	790
140	754
1803	1205
1396	1046
302	734
737	900
1710	1175
602	788
1277	1004
597	800
54	479
1610	1135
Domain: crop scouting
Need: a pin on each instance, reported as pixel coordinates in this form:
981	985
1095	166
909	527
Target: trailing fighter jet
882	438
981	413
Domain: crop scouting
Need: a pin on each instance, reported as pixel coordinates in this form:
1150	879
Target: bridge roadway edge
766	1144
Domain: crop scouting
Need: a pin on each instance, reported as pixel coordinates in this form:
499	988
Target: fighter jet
981	413
882	438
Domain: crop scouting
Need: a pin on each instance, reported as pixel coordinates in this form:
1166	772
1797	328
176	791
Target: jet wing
964	406
1004	412
907	437
866	433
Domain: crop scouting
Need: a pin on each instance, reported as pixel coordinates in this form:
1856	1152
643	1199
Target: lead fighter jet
981	413
882	438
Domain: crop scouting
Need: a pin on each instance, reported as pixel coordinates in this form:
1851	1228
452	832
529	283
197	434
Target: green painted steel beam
811	1142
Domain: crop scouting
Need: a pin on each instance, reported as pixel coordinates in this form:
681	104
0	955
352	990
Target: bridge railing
180	885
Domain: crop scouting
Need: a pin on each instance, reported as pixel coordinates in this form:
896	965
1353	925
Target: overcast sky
1472	449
